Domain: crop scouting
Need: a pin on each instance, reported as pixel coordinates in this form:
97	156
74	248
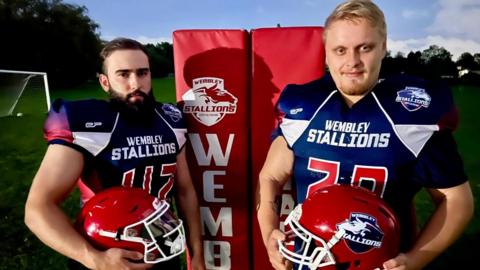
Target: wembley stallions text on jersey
395	140
119	150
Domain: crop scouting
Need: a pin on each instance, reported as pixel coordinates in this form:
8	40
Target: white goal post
20	86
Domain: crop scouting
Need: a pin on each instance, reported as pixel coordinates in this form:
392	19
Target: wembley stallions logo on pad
413	98
362	232
208	101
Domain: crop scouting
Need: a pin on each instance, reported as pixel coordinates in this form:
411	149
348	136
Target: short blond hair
358	9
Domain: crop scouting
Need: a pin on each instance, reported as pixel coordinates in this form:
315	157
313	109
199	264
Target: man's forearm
188	205
267	218
445	225
53	228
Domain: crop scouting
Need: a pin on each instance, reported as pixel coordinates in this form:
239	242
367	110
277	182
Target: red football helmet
342	228
131	218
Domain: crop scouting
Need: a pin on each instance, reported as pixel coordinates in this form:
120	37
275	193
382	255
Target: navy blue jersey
394	141
119	150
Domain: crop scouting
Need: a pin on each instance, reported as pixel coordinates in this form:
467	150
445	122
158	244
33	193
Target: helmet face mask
341	227
132	219
313	252
167	235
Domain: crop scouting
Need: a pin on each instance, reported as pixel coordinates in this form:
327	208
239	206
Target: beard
139	109
355	88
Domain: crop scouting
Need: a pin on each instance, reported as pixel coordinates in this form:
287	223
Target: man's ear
103	79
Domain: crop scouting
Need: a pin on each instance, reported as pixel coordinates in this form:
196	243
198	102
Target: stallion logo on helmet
362	232
208	101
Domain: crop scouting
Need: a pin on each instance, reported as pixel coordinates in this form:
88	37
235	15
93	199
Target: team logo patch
92	124
413	98
362	232
208	101
172	111
296	111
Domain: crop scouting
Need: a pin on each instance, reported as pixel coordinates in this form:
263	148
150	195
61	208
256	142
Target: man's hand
197	262
401	262
276	259
121	259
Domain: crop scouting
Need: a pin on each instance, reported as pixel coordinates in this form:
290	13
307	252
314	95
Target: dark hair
120	44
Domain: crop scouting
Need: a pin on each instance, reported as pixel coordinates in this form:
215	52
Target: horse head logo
208	101
215	95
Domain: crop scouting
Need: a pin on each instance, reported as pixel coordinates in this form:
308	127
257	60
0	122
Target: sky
412	25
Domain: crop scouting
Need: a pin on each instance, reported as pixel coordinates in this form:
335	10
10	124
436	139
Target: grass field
463	253
22	147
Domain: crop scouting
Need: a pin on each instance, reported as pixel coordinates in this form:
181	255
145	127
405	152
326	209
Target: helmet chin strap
325	252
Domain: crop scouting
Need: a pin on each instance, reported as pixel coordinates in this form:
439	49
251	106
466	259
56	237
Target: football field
22	146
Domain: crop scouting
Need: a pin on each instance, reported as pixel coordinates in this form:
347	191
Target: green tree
472	64
438	62
161	56
476	58
414	65
49	36
467	61
393	65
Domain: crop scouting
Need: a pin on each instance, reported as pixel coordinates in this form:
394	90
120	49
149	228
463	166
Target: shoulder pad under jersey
301	101
410	100
172	115
67	117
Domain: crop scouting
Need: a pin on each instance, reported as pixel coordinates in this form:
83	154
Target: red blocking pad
280	56
212	73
